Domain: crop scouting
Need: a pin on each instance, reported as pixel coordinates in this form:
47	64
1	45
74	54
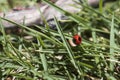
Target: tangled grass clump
48	55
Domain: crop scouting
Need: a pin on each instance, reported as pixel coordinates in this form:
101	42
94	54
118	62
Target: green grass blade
101	6
112	43
42	55
71	54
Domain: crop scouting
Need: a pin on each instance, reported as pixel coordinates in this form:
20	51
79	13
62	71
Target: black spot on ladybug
79	39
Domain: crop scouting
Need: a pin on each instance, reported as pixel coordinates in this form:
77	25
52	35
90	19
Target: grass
6	5
48	55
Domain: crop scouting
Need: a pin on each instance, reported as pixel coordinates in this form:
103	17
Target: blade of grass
44	20
101	6
71	54
3	32
112	43
42	55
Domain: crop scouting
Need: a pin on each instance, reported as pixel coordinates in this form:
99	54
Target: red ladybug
76	40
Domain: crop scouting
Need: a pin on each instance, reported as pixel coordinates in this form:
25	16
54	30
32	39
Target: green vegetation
49	56
6	5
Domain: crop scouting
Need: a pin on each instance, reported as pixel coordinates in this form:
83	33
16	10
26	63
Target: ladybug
76	40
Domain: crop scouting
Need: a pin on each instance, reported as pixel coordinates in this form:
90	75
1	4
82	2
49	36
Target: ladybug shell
77	39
